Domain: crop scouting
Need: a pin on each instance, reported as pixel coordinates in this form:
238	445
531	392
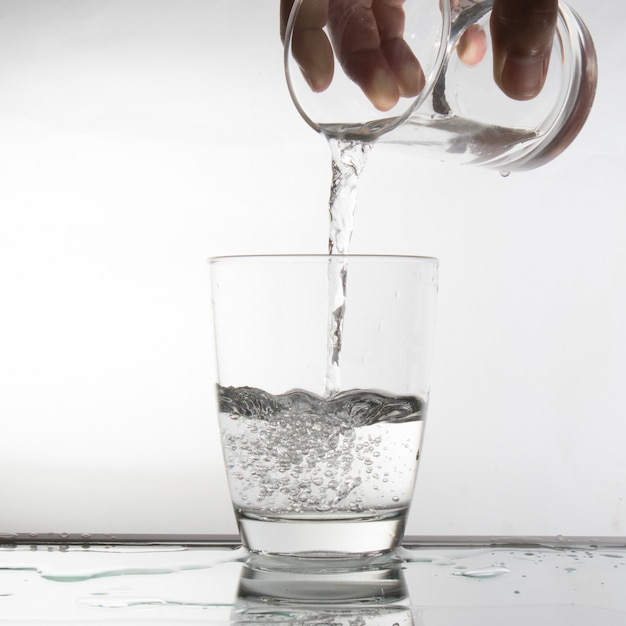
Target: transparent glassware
313	471
342	110
461	115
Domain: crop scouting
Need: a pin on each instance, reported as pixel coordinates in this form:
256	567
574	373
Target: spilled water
484	572
446	585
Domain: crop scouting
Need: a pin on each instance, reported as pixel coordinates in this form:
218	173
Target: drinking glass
318	469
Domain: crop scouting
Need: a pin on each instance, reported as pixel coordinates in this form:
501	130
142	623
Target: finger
356	40
472	45
310	46
522	32
390	19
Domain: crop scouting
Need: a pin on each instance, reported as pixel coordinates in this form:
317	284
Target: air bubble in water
299	452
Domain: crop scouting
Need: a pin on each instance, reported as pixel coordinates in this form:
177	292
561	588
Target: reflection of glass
373	593
461	113
311	472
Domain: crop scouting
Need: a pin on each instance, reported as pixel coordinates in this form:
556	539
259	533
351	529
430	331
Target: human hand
367	36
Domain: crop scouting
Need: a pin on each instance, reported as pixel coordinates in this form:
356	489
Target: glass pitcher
460	114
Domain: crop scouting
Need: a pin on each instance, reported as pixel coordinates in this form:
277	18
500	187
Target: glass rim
377	126
259	258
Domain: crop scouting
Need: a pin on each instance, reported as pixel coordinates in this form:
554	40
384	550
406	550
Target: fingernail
382	89
411	79
309	81
522	77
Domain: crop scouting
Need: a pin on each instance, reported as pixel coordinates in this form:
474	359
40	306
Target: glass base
322	539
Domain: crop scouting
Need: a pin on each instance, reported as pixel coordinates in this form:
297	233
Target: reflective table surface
427	582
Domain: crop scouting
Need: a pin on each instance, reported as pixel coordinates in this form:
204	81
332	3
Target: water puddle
79	576
414	586
75	577
484	572
125	603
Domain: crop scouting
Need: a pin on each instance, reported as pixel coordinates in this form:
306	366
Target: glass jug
460	114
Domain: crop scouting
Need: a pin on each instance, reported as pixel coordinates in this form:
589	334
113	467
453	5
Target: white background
139	137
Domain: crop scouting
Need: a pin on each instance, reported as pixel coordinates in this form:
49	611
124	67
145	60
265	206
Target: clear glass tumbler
316	469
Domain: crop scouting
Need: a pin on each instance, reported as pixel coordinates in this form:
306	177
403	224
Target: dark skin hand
367	37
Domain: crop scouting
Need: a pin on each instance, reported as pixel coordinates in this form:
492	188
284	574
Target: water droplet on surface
484	572
505	173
